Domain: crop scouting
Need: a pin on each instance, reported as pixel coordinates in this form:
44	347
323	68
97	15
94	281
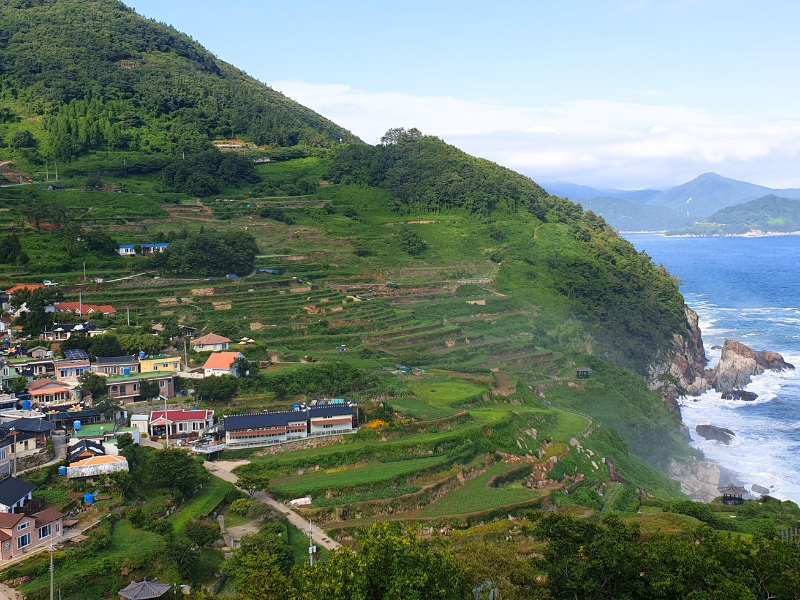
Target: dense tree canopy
143	86
209	253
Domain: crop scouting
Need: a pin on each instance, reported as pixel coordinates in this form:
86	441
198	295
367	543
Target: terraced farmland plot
475	496
370	473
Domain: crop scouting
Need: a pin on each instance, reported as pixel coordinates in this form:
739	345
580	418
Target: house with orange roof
221	363
48	392
28	287
82	309
211	343
94	466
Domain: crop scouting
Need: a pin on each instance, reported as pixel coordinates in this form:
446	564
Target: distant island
769	215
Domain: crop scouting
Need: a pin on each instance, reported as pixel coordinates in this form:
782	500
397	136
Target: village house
36	366
222	363
15	494
84	310
88	459
47	392
40	429
210	343
67	418
8	374
116	365
22	532
126	387
127	250
150	249
265	429
71	370
40	352
181	423
160	362
60	332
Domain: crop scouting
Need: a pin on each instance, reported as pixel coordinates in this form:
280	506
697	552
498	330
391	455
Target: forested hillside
770	214
82	75
549	251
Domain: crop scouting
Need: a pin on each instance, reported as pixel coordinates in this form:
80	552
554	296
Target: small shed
732	494
145	590
582	372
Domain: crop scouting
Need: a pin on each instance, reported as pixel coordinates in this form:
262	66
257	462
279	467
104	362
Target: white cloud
595	142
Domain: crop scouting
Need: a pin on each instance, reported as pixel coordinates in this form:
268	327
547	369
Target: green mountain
84	75
769	214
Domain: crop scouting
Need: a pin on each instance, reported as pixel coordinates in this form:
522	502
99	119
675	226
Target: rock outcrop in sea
739	363
712	432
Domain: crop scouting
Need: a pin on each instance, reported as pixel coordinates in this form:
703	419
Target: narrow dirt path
319	536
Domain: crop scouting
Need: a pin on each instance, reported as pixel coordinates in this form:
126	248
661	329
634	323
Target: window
3	454
44	531
135	387
114	389
58	526
162	383
24	540
23	526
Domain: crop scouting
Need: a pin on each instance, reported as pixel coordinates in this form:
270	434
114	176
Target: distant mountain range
656	210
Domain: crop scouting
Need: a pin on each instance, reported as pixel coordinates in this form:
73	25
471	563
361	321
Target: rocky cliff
685	359
739	363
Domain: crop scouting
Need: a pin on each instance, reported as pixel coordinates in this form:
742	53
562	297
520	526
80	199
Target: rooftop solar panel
76	354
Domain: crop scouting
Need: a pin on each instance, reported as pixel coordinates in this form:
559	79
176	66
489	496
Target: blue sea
747	289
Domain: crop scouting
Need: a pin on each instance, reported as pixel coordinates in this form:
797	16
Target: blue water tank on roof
77	425
142	354
88	499
126	370
26	405
62	471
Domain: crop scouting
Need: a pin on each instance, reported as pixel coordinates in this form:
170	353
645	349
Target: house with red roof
211	343
181	423
28	287
221	363
81	309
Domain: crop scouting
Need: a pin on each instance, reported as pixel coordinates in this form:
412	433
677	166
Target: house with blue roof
127	250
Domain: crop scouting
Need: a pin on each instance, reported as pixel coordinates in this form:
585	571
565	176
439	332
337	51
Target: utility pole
129	316
13	433
166	421
311	548
185	354
52	568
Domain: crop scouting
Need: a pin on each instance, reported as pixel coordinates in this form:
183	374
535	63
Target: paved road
319	536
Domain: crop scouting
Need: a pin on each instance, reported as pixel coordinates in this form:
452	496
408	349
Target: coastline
749	234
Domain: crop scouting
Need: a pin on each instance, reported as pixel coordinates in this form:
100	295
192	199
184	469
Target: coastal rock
739	363
740	395
712	432
698	478
685	359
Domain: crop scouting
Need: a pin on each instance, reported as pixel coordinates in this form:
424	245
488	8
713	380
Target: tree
35	316
122	481
106	405
100	242
391	564
23	139
260	556
202	533
252	483
105	345
182	555
177	469
20	385
244	368
241	506
148	390
410	242
92	384
216	388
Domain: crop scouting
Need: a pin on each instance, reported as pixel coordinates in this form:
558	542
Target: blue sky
621	93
